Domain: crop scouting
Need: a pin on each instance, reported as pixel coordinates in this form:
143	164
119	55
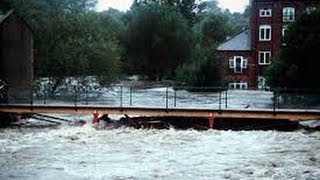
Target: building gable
4	16
240	42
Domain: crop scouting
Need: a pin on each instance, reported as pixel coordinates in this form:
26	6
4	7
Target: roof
240	42
4	16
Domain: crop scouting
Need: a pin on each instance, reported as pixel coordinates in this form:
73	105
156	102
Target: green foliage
113	22
203	69
71	39
186	7
4	6
296	66
212	29
158	40
237	21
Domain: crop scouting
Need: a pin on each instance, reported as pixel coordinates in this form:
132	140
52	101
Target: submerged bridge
165	102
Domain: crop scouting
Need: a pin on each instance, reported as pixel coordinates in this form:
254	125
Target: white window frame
238	85
284	29
262	83
288	14
263	33
265	60
233	64
265	12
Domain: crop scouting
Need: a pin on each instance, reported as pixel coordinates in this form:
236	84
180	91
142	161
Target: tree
112	22
212	29
4	6
238	21
158	40
208	6
186	7
202	69
70	40
296	65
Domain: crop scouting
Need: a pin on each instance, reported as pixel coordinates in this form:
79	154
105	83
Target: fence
168	97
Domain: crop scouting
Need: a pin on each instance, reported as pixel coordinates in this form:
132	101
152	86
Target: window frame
238	69
263	12
233	64
284	29
243	85
263	33
288	14
265	60
262	83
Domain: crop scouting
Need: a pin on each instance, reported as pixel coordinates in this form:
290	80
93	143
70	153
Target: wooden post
211	121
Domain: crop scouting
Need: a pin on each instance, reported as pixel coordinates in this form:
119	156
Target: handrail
219	97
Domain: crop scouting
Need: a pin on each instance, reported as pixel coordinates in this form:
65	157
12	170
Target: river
83	152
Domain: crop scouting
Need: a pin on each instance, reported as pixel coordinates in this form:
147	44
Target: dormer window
265	12
288	14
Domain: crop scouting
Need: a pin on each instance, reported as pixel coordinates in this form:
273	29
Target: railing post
274	99
167	98
31	96
75	96
45	94
220	99
121	91
226	98
86	96
130	95
175	98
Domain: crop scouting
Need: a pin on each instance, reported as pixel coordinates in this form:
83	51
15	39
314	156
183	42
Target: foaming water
86	153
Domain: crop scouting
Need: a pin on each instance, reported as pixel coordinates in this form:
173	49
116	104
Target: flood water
70	152
84	152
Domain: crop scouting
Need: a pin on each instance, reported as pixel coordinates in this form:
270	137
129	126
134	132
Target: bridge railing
168	97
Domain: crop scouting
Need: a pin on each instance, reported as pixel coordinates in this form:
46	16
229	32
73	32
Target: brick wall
248	75
276	23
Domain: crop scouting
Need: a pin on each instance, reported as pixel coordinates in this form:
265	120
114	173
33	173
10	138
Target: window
262	83
265	12
284	30
238	85
264	57
237	63
265	33
288	14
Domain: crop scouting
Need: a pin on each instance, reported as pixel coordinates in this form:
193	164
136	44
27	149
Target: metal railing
167	97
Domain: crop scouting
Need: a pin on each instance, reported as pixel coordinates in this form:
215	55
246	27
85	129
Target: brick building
247	55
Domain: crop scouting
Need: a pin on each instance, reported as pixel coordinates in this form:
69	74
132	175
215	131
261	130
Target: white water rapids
70	152
73	152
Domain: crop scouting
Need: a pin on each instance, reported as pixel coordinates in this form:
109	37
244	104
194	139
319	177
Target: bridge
165	102
210	114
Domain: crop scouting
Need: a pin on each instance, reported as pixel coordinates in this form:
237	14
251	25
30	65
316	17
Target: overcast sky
123	5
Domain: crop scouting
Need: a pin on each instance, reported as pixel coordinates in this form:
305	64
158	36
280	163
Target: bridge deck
283	114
